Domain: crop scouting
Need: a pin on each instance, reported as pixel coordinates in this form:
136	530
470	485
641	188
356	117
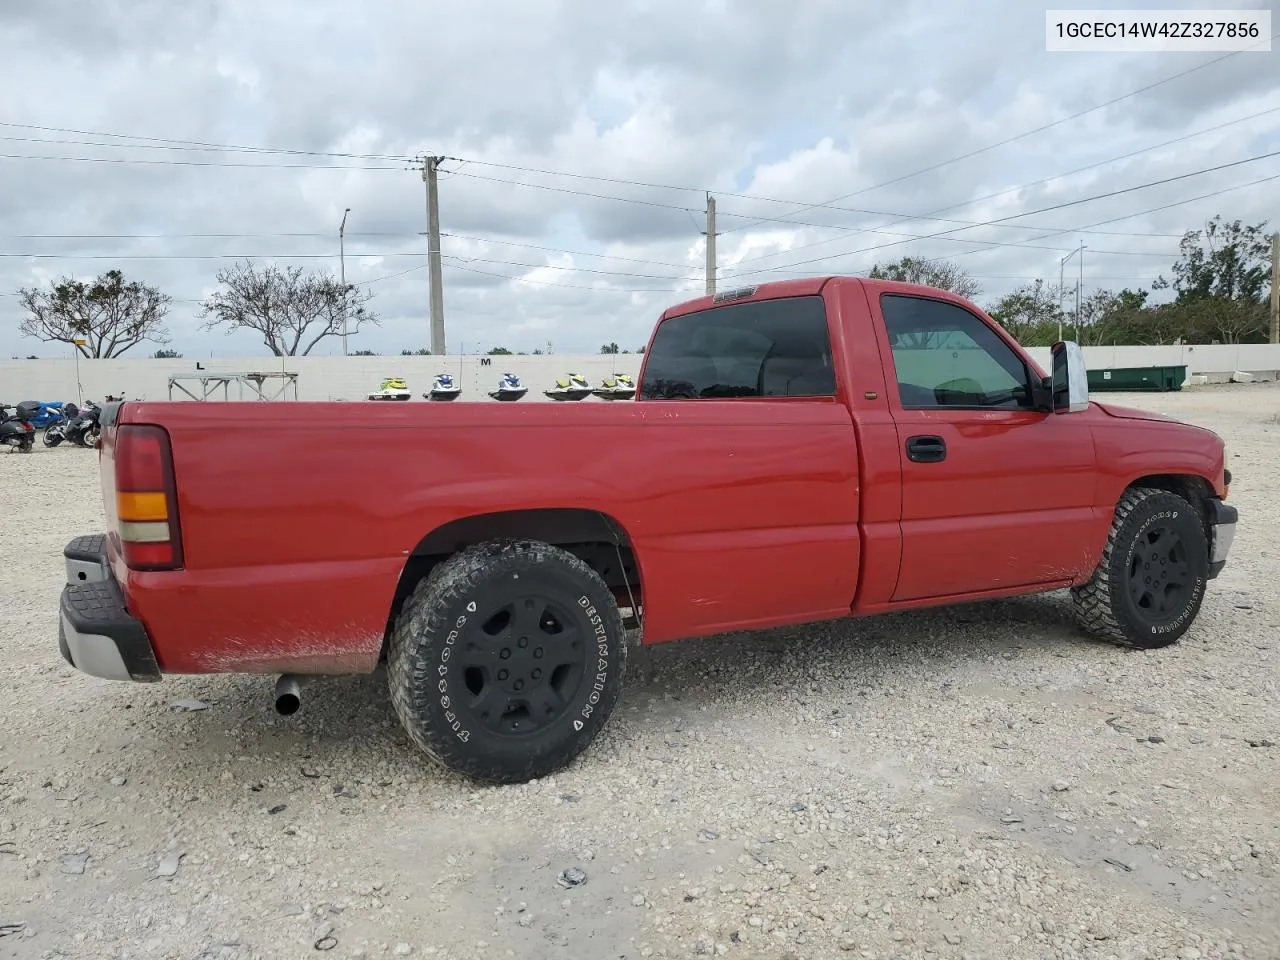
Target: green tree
110	314
166	355
1030	313
500	352
610	348
1224	260
420	352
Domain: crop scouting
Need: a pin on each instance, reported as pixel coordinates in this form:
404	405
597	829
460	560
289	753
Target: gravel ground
976	782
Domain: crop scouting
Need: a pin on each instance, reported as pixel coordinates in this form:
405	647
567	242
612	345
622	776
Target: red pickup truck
796	451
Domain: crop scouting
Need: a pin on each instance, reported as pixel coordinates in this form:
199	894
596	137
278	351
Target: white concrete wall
353	378
319	378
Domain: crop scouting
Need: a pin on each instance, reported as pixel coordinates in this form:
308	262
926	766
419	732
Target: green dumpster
1137	378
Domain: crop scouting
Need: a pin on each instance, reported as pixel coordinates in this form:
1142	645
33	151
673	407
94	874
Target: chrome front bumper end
1222	519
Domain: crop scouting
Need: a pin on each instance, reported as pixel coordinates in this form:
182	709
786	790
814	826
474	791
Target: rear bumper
96	633
1222	519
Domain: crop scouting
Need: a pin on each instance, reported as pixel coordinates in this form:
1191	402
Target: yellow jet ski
572	386
618	387
392	388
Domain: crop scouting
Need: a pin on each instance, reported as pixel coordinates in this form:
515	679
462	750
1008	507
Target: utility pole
342	274
429	166
1275	288
711	245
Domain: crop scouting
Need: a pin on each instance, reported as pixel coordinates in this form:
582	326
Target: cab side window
946	357
763	348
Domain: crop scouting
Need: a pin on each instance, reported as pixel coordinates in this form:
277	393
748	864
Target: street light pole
1062	263
342	273
1079	290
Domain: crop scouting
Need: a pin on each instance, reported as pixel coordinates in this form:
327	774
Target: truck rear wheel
507	660
1150	582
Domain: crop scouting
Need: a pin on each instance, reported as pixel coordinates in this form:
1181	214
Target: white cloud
795	102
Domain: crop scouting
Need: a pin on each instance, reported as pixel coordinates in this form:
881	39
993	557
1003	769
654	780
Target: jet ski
572	386
444	387
618	387
393	388
509	388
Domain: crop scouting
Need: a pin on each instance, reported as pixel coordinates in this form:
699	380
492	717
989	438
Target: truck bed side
297	519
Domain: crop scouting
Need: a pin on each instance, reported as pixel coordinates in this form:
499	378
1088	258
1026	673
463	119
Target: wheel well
1195	489
596	538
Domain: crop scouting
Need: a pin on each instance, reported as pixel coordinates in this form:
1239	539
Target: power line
198	163
198	144
161	143
326	256
1030	213
964	224
1127	216
409	253
932	214
1170	206
1031	132
789	221
315	235
576	253
568	286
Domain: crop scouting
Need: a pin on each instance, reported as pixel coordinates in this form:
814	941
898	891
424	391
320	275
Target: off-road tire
1107	607
440	652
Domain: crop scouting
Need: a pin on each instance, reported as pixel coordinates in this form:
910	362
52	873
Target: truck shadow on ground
339	713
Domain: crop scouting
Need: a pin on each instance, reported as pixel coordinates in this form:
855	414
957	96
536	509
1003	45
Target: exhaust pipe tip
288	695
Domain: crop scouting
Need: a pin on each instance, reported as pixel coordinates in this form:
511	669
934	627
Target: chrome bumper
1223	518
96	633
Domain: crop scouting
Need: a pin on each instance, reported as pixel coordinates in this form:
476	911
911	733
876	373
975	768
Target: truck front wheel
506	661
1150	582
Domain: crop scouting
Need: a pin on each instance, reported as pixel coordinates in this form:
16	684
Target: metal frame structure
255	381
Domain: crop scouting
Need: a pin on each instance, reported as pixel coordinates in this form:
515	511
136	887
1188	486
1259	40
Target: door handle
926	449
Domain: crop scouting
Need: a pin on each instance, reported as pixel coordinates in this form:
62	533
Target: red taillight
146	502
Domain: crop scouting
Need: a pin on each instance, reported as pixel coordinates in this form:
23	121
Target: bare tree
292	311
942	274
109	314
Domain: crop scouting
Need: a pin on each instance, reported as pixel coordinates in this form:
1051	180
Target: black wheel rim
522	661
1160	577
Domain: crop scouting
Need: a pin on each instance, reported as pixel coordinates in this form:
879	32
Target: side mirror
1069	382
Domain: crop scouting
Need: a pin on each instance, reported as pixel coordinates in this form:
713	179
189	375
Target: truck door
995	494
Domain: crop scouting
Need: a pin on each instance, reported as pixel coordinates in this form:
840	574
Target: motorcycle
49	412
56	432
16	430
84	429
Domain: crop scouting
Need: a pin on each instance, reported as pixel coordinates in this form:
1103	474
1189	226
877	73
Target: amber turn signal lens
141	507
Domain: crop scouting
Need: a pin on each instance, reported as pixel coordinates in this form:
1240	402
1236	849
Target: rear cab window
761	348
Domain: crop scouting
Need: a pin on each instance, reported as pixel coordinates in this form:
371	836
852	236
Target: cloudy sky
583	139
